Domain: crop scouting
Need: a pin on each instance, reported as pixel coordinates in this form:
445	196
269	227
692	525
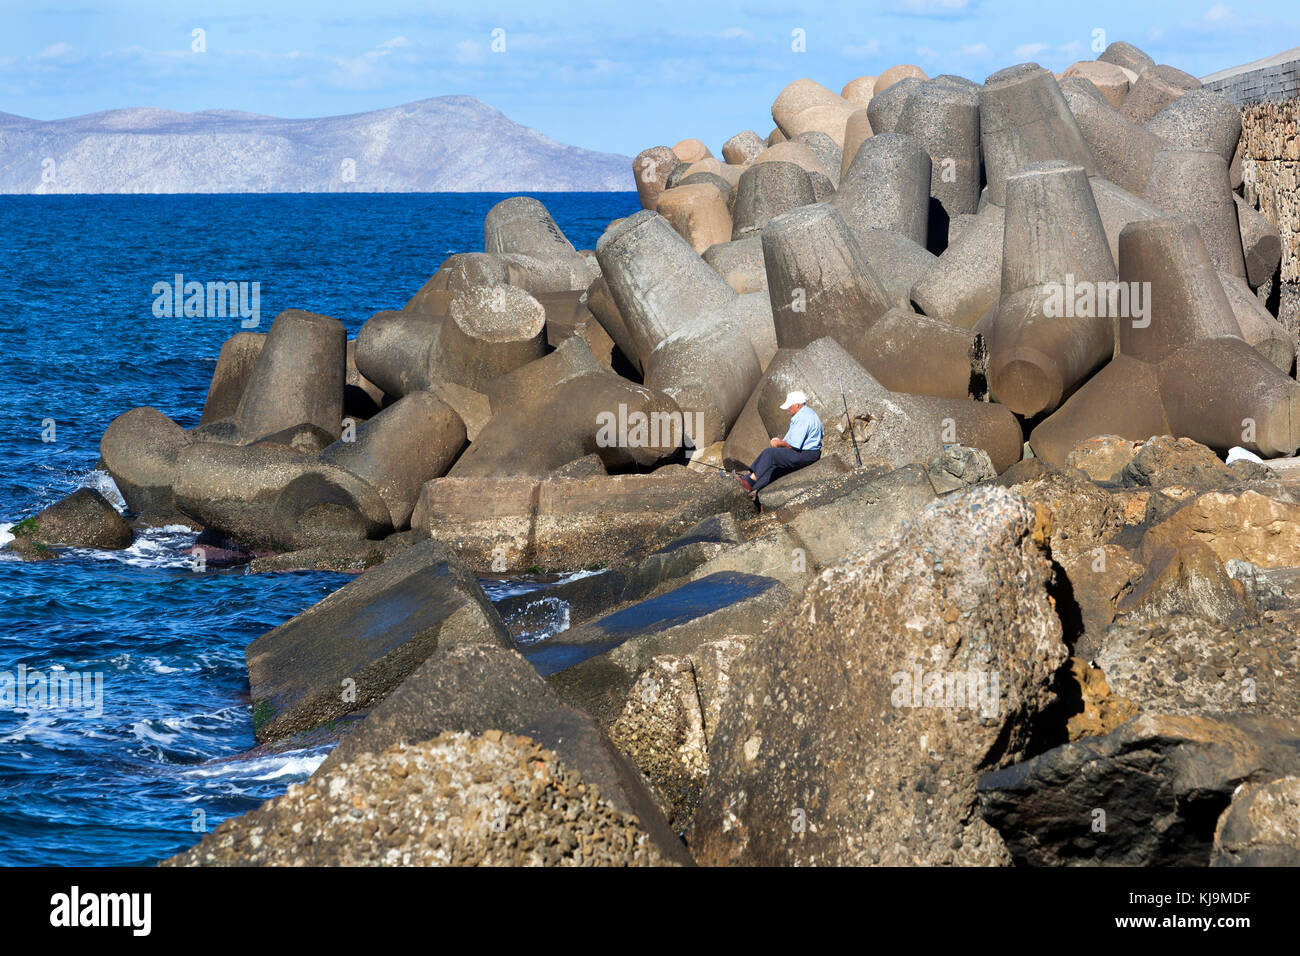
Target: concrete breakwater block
651	169
297	379
140	450
1110	80
767	190
1185	301
804	106
1123	150
657	280
819	282
887	186
593	666
1156	88
1024	119
945	119
1194	184
490	331
964	282
393	350
512	524
267	496
698	212
894	427
234	367
709	368
407	444
1040	346
367	637
599	413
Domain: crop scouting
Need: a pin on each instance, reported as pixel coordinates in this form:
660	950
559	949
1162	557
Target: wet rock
83	519
960	591
593	666
351	649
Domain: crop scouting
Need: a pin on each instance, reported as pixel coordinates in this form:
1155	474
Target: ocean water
141	765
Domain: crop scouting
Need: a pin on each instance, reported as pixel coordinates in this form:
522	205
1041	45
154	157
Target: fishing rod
852	436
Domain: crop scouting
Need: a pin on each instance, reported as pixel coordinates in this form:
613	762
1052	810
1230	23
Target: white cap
794	398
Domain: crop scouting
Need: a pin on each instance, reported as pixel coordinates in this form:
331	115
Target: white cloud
1218	13
469	51
736	33
1027	51
975	49
58	51
862	50
925	53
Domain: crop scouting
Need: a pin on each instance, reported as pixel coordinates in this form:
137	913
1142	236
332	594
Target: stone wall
1268	92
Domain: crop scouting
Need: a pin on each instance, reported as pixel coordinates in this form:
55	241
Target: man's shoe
744	482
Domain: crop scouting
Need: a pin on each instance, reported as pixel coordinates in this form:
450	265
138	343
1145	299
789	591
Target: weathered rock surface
960	591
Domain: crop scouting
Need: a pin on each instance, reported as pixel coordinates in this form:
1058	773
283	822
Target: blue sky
613	75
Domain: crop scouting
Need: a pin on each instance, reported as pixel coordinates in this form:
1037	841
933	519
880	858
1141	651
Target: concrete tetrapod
900	428
657	280
1199	119
1123	149
601	413
234	367
1041	345
412	441
887	186
1110	80
1122	399
1126	55
767	190
806	105
966	279
1156	88
1024	119
1194	184
709	368
651	169
819	281
742	148
298	377
884	109
1222	392
945	119
491	330
1165	262
393	350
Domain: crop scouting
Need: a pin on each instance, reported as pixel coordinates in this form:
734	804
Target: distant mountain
446	144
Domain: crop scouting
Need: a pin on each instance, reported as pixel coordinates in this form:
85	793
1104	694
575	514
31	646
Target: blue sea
138	773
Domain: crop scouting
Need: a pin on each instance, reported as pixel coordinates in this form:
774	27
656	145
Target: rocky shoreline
1034	605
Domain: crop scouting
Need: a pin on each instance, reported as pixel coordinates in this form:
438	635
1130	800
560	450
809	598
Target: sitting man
801	446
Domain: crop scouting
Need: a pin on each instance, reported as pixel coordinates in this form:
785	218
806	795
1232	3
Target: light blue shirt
805	431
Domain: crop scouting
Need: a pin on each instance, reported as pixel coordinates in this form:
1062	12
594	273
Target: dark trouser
773	463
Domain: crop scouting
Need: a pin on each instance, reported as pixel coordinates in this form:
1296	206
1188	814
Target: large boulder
1261	827
938	645
349	650
459	800
1146	794
84	519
